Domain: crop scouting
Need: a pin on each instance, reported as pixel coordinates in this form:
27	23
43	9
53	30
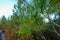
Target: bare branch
54	31
43	37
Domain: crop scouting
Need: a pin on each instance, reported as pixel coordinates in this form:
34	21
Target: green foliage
28	19
31	20
14	21
4	21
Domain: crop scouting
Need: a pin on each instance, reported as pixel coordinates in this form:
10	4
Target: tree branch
51	21
54	31
43	14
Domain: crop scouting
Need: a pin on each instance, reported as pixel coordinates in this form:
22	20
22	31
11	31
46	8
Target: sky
6	7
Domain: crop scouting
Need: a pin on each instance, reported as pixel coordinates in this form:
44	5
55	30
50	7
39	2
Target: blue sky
6	7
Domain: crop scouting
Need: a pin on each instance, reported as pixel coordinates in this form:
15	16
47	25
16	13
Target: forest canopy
29	17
